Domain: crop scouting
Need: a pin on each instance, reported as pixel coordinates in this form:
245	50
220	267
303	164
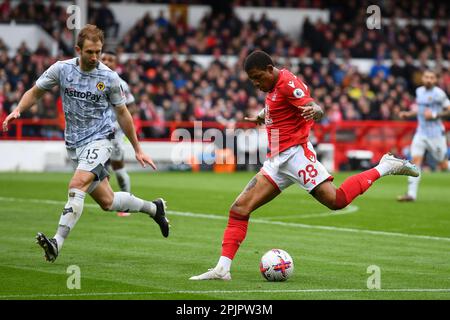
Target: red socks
234	234
354	186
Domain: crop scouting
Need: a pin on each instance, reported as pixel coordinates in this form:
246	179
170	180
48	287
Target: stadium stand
181	89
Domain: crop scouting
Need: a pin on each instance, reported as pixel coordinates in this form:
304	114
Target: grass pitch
127	258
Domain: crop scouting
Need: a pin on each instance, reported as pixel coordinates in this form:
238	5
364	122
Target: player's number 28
308	173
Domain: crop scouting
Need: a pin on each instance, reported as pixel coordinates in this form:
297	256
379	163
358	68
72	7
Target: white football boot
217	273
399	167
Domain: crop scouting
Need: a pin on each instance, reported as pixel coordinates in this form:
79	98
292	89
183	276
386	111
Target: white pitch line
407	290
349	209
308	226
91	205
259	220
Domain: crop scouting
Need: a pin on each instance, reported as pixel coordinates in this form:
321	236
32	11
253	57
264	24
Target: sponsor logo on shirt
83	95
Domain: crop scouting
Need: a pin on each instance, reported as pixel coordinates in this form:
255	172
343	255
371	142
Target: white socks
224	263
70	215
383	168
123	201
123	179
413	186
126	202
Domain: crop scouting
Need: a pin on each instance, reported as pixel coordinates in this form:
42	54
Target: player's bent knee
336	206
340	202
336	200
81	181
80	184
333	204
240	210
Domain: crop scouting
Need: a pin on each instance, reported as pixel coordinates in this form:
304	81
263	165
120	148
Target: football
276	265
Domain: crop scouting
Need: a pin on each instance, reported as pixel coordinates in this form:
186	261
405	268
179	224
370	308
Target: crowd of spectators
216	34
180	89
346	34
391	8
52	17
183	90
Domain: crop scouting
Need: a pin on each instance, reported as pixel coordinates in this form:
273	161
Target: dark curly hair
257	60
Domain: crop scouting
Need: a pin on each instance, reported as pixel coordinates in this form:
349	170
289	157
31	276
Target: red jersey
285	125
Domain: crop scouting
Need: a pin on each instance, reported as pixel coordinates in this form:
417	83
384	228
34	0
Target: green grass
127	258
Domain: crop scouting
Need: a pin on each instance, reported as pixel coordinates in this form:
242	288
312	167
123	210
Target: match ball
276	265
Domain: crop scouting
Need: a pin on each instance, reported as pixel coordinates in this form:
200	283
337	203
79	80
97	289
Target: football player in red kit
289	114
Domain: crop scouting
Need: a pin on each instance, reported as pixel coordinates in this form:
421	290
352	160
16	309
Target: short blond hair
90	32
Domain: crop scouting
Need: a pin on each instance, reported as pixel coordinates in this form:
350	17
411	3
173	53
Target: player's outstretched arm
28	99
312	111
126	123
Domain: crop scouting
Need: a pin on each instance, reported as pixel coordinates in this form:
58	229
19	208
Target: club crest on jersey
298	93
100	86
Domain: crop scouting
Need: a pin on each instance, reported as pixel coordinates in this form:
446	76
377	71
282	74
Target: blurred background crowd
180	89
